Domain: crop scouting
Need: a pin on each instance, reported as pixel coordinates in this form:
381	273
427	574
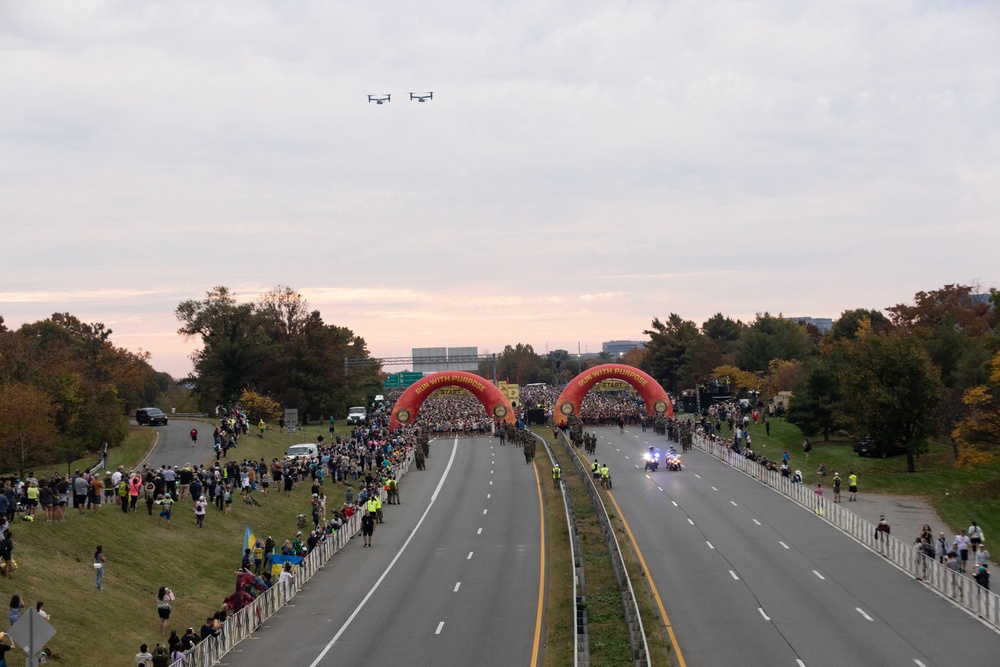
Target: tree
27	428
847	325
816	398
234	344
667	348
890	388
770	338
978	433
259	407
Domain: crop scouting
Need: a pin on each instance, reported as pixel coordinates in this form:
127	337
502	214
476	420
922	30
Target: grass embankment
607	630
95	628
959	495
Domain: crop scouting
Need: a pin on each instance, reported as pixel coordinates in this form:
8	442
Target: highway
748	577
452	577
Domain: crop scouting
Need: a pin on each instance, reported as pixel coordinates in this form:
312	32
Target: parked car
302	451
867	447
151	416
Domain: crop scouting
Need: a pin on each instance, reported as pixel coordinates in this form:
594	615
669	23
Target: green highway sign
402	380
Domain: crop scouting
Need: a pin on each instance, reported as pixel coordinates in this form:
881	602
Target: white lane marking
783	544
626	456
757	522
697	475
919	663
491	472
488	496
469	557
819	575
479	532
710	546
675	503
714	489
862	612
734	503
491	482
457	584
761	610
660	488
440	625
485	511
648	477
636	465
357	610
799	663
690	522
734	575
616	448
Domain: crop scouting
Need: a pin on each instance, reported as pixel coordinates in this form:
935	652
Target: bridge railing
959	588
243	623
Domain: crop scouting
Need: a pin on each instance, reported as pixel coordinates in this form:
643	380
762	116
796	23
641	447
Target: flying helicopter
422	97
379	99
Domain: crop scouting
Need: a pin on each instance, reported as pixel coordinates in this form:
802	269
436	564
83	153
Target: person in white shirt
962	544
975	535
982	556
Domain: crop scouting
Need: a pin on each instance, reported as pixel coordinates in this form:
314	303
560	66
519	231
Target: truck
357	416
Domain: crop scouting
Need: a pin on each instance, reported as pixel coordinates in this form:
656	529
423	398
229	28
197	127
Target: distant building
824	324
433	359
617	347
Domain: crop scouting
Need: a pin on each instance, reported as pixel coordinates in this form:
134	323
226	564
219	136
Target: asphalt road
452	577
748	577
173	445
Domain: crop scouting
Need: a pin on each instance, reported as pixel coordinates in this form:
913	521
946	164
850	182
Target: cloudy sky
584	166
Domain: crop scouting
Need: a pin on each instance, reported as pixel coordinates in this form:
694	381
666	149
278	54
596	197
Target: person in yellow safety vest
375	507
262	426
556	476
852	487
597	469
605	474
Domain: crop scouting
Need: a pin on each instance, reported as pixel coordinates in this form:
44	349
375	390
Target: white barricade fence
242	624
960	588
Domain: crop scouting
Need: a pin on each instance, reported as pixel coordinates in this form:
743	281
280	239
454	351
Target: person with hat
160	657
166	504
200	506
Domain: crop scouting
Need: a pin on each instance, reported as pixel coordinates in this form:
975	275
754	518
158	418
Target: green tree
890	388
816	398
770	337
666	351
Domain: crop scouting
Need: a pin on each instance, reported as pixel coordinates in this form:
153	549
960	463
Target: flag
278	562
248	541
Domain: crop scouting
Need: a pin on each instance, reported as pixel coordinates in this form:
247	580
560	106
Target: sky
583	167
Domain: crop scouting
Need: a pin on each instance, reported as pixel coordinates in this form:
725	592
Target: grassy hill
98	628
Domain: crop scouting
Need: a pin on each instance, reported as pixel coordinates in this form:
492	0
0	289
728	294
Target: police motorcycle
651	460
673	460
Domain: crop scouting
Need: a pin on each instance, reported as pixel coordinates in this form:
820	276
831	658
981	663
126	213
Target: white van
303	451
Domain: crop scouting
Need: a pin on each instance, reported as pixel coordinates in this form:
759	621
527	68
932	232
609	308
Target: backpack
123	489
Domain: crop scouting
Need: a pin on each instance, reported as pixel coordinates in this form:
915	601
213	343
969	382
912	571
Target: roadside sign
402	380
291	419
31	632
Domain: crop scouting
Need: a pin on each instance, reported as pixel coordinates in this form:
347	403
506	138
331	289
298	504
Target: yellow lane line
541	573
652	586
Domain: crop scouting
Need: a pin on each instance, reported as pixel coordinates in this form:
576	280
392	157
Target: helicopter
379	99
422	97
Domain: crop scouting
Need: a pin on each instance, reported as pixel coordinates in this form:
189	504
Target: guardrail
243	623
637	634
959	588
581	644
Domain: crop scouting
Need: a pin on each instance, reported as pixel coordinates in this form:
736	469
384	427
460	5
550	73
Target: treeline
65	389
274	353
929	369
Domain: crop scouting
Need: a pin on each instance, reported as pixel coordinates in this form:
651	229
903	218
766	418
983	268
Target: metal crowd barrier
959	588
242	624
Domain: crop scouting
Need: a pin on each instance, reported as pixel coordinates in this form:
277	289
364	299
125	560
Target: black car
151	416
867	447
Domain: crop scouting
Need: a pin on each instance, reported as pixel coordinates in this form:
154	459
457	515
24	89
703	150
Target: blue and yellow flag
248	541
278	561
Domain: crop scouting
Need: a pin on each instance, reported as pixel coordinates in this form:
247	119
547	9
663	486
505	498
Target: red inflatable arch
656	399
496	404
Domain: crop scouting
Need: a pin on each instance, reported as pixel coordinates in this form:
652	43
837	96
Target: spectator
163	598
99	565
16	605
143	657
